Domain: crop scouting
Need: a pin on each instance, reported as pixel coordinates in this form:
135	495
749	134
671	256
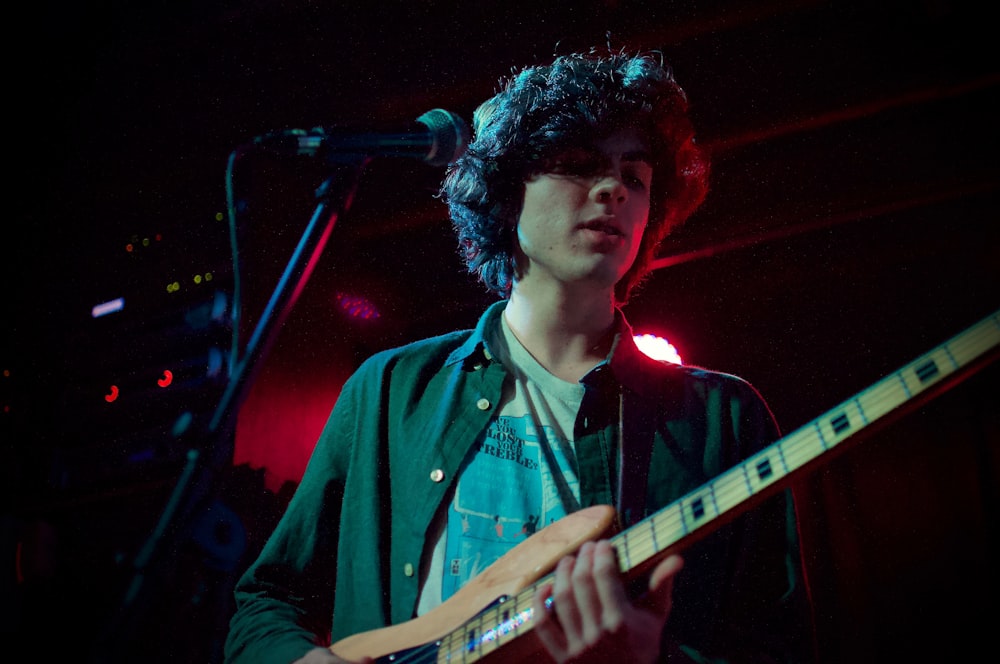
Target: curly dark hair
543	110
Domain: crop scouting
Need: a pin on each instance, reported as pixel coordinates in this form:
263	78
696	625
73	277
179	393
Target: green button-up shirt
345	557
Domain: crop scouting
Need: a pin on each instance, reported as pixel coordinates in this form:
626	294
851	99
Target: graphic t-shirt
520	478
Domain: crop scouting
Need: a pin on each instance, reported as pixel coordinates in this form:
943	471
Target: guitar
462	630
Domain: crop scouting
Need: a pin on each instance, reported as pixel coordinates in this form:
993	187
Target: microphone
438	137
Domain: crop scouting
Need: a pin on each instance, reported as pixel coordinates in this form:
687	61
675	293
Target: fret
731	489
471	637
883	397
652	536
490	630
685	529
669	524
819	433
503	623
630	544
624	547
902	381
489	633
745	474
951	357
779	447
861	411
451	647
801	447
639	542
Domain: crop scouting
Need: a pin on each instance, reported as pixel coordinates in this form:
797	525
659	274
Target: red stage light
166	378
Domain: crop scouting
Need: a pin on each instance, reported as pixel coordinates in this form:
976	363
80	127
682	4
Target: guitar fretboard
774	465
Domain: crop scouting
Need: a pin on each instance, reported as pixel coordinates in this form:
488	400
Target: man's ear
518	261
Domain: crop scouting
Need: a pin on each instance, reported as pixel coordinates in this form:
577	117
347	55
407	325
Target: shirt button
408	569
437	475
483	404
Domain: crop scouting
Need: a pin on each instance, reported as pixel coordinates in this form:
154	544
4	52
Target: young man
441	456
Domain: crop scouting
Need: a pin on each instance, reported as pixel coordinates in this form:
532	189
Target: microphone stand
335	196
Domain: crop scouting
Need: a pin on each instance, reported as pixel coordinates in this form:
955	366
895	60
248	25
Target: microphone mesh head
450	134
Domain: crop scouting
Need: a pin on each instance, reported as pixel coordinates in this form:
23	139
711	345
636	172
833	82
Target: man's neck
568	335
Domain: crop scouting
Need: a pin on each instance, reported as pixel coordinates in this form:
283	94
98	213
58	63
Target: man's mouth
605	227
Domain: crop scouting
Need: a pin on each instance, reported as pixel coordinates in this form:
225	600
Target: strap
636	429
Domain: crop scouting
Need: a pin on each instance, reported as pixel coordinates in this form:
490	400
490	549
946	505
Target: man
441	456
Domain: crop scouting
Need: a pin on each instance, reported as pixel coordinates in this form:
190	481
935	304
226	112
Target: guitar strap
636	427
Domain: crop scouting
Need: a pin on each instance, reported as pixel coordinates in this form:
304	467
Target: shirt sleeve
284	600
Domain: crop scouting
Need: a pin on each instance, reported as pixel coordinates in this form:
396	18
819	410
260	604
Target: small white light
657	348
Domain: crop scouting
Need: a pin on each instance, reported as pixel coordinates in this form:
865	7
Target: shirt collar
632	368
475	348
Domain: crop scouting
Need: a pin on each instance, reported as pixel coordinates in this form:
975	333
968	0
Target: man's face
582	220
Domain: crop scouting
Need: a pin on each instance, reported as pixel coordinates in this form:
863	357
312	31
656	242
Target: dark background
850	228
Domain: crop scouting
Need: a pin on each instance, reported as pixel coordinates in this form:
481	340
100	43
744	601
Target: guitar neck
741	487
761	475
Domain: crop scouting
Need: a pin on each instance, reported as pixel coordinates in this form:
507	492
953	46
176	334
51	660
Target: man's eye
634	181
577	167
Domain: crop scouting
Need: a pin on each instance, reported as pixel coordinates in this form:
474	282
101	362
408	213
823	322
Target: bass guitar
491	617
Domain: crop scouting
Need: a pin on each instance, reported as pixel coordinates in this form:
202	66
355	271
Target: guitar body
518	569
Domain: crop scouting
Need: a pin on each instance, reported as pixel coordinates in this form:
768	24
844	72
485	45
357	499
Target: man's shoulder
427	350
705	379
705	374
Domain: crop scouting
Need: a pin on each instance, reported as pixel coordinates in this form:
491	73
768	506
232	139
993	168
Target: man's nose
610	187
